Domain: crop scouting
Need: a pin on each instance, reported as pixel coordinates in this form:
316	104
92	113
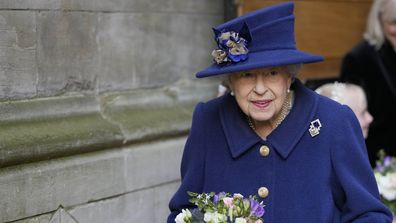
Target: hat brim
261	59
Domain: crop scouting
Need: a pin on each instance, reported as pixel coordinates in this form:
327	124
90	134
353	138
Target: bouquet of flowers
385	174
222	208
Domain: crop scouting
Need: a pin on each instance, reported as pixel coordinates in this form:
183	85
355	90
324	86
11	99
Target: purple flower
387	160
257	209
232	47
379	168
218	196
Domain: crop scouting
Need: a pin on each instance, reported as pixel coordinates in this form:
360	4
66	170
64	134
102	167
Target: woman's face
261	93
358	104
390	31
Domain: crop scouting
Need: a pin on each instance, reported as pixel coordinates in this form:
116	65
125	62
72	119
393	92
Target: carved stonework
62	216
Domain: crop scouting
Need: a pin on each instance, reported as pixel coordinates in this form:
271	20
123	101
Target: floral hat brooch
232	46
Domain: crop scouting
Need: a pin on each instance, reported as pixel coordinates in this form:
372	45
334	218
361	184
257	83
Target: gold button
264	151
263	192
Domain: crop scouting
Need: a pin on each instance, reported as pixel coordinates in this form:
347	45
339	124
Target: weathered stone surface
120	51
108	138
66	52
45	139
153	160
32	189
162	196
143	206
186	6
62	216
117	36
152	49
54	48
149	114
33	130
45	218
41	187
17	54
30	4
40	129
45	108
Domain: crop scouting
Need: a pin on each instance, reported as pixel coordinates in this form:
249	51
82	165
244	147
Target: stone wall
96	100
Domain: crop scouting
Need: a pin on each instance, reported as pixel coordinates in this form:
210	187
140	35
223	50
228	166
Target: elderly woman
351	95
302	154
372	64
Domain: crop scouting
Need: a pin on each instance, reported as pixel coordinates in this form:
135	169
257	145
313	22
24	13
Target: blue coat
322	179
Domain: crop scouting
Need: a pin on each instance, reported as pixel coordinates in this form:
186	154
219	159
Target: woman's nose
260	87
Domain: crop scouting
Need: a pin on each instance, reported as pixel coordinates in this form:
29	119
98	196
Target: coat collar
240	137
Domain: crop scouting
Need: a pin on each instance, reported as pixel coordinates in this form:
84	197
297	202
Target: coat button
263	192
264	151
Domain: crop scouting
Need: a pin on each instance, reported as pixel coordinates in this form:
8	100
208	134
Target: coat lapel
240	137
296	124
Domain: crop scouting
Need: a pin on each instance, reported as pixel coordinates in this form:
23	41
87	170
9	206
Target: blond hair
380	10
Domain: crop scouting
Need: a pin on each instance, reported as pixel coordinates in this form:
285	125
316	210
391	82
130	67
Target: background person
372	65
351	95
273	137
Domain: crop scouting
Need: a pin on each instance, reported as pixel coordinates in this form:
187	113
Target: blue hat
263	38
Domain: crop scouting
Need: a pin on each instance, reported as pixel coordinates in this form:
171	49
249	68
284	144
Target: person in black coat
372	64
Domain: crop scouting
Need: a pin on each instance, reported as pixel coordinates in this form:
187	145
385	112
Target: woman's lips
261	103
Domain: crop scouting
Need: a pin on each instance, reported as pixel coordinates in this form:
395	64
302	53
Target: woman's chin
261	118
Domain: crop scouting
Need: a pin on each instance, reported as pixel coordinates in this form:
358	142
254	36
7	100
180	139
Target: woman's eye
246	75
273	72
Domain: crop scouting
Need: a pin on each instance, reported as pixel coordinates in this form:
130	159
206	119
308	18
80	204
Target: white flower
214	217
240	220
387	185
219	56
237	195
184	217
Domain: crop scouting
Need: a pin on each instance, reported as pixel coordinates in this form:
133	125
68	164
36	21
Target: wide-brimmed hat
263	38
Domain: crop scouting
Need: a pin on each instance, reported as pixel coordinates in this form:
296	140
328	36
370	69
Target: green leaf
192	194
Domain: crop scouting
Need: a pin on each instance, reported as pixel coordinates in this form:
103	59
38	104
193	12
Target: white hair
381	10
294	69
339	92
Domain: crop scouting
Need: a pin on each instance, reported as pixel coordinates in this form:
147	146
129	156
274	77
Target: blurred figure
372	65
351	95
222	89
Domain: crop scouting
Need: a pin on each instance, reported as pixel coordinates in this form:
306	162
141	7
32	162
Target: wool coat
375	71
325	178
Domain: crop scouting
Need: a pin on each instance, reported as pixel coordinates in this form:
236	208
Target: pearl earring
232	93
288	90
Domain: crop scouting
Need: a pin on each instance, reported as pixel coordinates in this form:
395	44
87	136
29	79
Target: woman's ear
290	81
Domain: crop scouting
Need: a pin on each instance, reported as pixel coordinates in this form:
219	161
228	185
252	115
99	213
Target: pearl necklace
286	107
